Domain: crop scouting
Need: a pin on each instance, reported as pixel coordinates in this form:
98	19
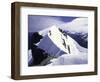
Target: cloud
37	23
77	25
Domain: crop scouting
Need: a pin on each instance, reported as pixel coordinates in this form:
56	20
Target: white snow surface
76	57
69	59
53	43
78	54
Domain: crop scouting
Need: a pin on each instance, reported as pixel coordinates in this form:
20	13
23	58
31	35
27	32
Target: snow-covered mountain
52	43
77	29
71	59
56	44
64	45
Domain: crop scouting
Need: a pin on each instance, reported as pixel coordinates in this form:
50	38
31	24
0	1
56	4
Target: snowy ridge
77	29
77	55
57	43
74	58
62	48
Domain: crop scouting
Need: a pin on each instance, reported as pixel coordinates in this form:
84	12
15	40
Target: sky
39	22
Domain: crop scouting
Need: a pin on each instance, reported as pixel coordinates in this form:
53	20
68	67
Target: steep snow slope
56	44
70	59
78	54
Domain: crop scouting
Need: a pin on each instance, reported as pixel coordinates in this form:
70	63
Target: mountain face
54	43
55	46
59	45
76	29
